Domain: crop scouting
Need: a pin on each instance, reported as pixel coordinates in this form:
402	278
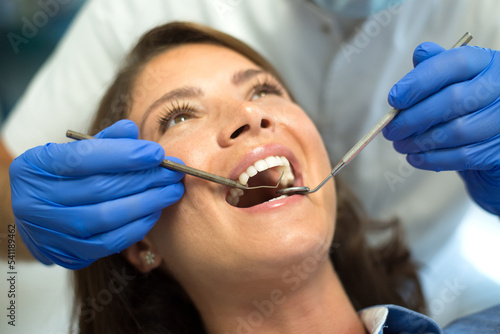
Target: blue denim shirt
392	319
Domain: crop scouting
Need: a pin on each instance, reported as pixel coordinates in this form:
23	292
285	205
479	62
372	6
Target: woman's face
219	112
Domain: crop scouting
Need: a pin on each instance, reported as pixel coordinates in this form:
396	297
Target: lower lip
273	205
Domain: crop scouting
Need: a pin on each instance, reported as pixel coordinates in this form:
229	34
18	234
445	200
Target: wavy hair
133	302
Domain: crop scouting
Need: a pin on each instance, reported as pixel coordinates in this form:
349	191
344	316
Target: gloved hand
450	117
77	202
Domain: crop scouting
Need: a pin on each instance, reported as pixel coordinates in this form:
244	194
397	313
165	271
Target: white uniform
340	77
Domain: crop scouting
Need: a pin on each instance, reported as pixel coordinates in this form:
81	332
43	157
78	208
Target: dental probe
186	169
360	145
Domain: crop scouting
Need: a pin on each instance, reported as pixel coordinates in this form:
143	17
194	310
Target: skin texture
228	258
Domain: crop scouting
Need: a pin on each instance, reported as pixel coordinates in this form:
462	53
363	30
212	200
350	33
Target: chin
290	249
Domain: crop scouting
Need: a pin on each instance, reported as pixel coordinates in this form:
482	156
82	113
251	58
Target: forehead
191	61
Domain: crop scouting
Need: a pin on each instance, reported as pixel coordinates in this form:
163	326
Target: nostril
239	131
265	124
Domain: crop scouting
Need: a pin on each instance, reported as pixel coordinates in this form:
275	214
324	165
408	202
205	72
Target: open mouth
265	172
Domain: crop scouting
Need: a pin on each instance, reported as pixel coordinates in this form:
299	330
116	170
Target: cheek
311	141
298	120
193	143
175	233
187	223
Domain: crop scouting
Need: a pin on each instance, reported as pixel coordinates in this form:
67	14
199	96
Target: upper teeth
265	164
260	166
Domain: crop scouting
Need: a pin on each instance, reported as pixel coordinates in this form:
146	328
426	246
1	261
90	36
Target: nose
248	120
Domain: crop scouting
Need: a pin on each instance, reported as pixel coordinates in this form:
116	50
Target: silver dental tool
186	169
367	138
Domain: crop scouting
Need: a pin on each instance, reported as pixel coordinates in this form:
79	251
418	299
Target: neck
297	302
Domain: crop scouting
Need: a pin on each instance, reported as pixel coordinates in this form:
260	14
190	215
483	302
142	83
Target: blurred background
29	32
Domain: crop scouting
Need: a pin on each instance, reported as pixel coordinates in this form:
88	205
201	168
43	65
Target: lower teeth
274	199
234	200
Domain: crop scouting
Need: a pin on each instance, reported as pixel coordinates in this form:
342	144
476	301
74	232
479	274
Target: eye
174	114
258	95
267	87
179	119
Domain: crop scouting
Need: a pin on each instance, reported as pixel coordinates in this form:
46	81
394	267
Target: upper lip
263	152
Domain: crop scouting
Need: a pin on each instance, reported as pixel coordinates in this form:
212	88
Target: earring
149	258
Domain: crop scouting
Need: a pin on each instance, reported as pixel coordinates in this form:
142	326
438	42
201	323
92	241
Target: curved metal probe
186	169
367	138
306	190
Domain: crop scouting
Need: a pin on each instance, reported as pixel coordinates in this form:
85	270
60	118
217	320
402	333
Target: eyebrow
243	76
179	93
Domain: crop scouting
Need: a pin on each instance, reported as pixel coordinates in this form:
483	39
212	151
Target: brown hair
111	296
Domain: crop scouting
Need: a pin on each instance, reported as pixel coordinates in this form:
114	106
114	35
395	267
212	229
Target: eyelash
170	112
267	85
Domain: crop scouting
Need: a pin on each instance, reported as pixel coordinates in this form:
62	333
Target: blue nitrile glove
450	117
77	202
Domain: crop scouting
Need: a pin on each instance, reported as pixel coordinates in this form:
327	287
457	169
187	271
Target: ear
143	256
